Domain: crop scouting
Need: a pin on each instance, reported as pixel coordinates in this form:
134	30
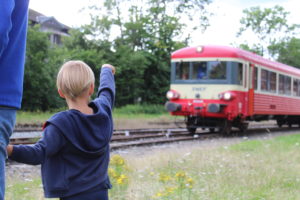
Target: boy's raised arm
107	84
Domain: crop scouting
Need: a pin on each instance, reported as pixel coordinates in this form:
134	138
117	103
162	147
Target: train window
264	80
288	87
205	71
285	84
298	91
199	70
268	81
255	77
240	74
281	84
273	81
295	87
182	70
217	70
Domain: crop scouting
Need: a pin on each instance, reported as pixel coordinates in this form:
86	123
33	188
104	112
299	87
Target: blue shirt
13	29
74	149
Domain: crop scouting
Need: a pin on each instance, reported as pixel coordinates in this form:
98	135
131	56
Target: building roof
47	22
33	15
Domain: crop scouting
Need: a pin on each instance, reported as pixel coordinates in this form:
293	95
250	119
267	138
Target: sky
224	24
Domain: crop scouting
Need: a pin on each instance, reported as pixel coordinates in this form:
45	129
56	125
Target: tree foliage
289	52
136	37
40	76
270	26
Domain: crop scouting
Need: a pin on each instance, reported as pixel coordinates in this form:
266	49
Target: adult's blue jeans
7	122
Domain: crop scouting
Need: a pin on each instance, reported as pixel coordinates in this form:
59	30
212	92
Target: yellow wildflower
180	174
189	182
164	178
117	160
112	173
170	190
159	194
122	179
151	173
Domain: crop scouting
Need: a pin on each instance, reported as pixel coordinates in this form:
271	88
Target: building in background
50	25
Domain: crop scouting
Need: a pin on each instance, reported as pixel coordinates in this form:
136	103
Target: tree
269	26
40	76
143	36
289	52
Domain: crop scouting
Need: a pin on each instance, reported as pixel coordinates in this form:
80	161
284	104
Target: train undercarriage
224	126
220	125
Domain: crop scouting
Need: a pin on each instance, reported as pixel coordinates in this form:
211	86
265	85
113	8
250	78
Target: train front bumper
196	108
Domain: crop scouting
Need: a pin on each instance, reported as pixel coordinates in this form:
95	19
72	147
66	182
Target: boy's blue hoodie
13	29
74	149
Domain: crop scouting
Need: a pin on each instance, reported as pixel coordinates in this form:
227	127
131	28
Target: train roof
214	51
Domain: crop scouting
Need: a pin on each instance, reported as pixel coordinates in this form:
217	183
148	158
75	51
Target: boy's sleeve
106	90
51	143
6	10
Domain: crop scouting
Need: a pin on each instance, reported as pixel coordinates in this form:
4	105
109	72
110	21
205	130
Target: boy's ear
61	94
91	89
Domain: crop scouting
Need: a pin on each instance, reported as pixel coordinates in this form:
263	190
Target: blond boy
74	149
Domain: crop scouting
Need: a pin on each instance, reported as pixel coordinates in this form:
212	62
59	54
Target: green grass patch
252	169
25	117
140	109
27	189
129	112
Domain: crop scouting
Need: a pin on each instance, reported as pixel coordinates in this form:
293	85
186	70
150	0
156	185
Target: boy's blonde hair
74	77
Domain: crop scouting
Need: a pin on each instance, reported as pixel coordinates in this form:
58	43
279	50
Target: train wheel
225	130
243	127
211	130
279	123
191	130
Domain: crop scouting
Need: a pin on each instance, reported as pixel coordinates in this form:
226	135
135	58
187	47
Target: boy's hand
9	149
110	66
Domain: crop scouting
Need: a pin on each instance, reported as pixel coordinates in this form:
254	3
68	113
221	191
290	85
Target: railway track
146	137
127	138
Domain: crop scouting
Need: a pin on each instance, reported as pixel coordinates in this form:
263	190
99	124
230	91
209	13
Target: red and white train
220	87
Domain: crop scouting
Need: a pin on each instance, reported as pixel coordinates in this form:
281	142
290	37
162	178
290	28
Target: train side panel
265	104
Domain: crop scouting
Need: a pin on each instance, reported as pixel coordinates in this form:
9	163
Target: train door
251	90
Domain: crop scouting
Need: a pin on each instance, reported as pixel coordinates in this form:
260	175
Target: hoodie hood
90	134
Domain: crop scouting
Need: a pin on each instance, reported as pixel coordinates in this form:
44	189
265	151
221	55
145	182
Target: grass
126	112
33	117
218	170
130	116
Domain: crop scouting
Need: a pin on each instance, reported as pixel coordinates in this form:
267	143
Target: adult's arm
6	10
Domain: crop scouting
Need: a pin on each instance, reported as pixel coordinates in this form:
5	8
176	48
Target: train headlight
227	96
172	94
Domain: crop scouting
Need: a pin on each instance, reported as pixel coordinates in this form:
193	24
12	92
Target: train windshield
209	70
